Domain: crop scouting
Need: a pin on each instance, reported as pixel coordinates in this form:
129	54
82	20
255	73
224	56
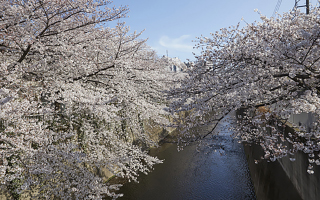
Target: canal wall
308	185
269	179
284	178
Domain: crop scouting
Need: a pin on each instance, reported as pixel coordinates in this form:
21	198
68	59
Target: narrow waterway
218	170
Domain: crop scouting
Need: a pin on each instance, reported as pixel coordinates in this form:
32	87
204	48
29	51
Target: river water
218	170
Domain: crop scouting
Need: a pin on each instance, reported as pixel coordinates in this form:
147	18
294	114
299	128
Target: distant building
174	64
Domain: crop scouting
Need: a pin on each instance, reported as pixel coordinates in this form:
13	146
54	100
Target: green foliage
12	187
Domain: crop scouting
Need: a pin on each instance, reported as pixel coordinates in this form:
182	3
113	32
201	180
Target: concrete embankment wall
283	179
269	178
308	185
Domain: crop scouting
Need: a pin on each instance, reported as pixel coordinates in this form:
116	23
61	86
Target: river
218	170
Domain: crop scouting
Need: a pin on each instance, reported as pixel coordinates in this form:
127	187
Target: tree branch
94	73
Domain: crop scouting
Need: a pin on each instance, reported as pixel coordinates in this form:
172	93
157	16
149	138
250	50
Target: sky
173	25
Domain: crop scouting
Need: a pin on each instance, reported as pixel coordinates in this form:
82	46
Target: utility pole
307	6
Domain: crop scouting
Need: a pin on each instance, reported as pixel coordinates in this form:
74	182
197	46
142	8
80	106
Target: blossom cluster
74	97
272	64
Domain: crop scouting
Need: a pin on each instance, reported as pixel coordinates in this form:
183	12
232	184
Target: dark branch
94	73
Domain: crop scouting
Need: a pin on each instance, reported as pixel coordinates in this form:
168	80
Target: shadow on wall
286	178
269	179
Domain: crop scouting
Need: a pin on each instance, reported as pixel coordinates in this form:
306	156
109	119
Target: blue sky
173	24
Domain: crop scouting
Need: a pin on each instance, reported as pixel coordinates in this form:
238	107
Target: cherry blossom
75	96
268	69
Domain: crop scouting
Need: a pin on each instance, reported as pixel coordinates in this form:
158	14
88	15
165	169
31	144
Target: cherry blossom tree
270	69
74	95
